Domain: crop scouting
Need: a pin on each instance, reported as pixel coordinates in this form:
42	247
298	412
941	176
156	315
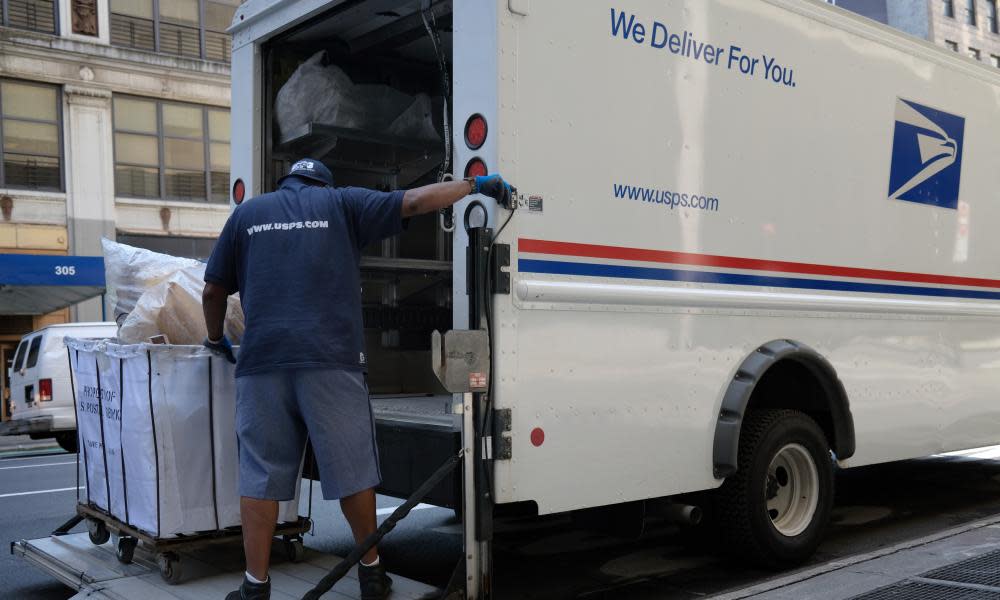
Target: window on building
991	16
170	150
995	60
949	8
36	15
975	54
174	245
194	28
30	129
218	155
218	17
970	12
953	46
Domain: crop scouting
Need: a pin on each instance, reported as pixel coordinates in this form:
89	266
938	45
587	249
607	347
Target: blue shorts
277	410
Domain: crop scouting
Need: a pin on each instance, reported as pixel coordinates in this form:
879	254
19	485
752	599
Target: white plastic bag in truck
172	464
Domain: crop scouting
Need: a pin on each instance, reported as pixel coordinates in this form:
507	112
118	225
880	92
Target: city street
877	507
657	269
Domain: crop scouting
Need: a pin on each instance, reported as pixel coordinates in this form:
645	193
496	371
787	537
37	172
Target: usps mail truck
753	241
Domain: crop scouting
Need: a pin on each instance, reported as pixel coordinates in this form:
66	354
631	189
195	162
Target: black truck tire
774	510
67	440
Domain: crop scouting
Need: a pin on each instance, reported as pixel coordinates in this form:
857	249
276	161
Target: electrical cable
354	556
431	26
487	425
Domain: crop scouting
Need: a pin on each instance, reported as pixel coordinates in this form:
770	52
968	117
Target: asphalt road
37	494
33	513
551	557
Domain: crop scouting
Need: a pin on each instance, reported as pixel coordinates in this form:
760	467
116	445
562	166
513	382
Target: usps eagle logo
926	155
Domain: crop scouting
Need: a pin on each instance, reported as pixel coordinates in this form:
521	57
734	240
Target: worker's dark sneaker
251	591
375	584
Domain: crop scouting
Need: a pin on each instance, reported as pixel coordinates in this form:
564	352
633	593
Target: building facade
114	122
970	27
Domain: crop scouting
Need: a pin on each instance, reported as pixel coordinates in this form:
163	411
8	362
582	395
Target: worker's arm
436	196
213	303
214	299
220	280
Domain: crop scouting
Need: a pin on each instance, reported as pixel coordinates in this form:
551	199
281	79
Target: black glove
495	187
221	347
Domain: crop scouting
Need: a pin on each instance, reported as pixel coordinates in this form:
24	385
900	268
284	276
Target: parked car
41	394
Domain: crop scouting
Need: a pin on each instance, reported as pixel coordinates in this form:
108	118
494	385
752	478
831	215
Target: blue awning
35	284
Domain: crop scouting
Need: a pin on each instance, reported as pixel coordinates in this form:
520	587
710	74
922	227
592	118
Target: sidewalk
962	563
23	443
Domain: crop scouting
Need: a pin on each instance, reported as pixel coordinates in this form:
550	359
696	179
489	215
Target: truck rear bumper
42	424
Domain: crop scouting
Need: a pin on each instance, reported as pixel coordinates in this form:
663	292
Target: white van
41	397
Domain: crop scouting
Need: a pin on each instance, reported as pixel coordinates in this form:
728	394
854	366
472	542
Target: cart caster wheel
98	532
170	567
126	549
295	551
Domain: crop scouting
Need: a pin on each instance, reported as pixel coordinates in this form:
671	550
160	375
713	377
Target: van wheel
67	441
774	510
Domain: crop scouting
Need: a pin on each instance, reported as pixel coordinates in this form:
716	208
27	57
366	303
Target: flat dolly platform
101	525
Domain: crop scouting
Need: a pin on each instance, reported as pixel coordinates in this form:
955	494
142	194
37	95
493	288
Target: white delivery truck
753	241
41	395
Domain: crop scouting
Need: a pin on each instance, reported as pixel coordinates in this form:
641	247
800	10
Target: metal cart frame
100	526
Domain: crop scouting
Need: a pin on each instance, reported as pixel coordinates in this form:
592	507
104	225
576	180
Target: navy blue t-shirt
294	256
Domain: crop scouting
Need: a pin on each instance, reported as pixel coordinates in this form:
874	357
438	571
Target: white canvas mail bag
165	451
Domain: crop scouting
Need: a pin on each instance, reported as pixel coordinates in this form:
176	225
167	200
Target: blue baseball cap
310	168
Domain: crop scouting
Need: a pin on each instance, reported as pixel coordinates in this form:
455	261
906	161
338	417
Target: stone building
114	122
970	27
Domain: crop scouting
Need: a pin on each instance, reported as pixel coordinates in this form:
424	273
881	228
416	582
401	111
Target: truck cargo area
360	88
94	572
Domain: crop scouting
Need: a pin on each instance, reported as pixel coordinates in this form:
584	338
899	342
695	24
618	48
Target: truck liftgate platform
95	572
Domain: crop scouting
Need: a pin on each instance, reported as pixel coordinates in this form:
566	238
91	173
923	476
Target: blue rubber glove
221	347
495	187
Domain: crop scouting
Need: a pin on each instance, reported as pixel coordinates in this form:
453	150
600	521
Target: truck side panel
712	176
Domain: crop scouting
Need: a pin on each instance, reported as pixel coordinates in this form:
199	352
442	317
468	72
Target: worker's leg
334	404
258	518
271	441
336	409
359	509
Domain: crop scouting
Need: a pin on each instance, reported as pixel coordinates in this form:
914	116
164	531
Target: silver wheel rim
791	490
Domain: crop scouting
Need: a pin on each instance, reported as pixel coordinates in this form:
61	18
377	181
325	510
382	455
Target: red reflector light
476	168
475	132
44	390
537	436
239	191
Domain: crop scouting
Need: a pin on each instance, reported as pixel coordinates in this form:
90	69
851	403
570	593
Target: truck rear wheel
774	510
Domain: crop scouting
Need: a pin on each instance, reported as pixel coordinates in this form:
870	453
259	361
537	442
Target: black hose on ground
341	569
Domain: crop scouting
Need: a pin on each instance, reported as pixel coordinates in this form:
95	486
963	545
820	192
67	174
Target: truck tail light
475	168
44	390
239	191
475	131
